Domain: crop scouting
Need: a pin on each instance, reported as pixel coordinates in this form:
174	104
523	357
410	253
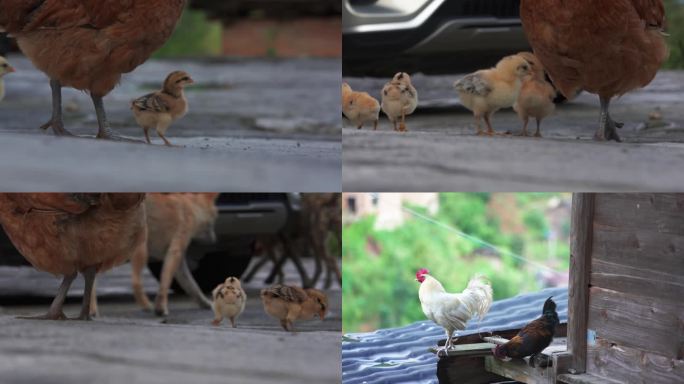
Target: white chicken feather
452	311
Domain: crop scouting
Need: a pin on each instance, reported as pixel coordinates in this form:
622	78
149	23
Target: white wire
476	239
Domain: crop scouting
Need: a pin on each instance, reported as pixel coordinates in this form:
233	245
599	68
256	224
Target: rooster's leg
89	276
55	311
607	127
56	121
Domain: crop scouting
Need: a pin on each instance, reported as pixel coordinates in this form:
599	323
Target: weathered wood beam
580	265
518	370
584	378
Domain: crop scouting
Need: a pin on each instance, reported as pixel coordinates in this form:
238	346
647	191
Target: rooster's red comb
422	272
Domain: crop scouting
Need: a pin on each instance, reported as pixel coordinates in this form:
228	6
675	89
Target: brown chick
606	47
536	95
64	234
399	99
159	109
5	68
486	91
290	303
360	107
88	44
229	301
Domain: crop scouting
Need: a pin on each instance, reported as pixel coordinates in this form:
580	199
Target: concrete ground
128	345
252	125
441	153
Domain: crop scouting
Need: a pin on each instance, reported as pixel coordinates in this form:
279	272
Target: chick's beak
191	81
10	69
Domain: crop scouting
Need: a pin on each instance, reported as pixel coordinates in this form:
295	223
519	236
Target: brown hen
606	47
65	234
88	44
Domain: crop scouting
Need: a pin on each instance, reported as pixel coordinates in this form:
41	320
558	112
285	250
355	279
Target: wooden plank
578	290
662	213
479	349
638	322
465	370
641	282
629	365
660	252
518	370
584	378
561	331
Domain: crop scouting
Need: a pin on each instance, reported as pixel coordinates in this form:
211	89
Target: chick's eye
4	65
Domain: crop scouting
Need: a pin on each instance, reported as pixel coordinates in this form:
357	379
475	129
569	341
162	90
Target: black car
242	218
381	37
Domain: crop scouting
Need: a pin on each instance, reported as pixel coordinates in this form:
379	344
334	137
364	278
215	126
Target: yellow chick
486	91
399	98
5	68
360	107
536	95
290	303
161	108
229	301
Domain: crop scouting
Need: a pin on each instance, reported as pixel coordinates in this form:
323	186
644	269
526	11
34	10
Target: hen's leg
104	131
56	121
89	276
55	311
607	127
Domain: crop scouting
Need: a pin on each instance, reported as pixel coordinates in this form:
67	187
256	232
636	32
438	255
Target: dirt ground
253	125
441	153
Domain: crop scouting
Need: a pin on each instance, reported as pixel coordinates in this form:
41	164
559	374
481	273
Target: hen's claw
57	128
48	316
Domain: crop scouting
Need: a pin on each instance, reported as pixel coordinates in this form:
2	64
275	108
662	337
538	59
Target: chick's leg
607	127
526	121
56	122
490	130
89	276
55	311
538	133
402	125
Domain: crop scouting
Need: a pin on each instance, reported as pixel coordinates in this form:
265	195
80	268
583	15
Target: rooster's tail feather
480	287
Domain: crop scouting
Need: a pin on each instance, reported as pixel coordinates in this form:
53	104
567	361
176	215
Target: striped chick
161	108
229	301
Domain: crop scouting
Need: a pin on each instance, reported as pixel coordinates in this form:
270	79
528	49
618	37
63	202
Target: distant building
386	206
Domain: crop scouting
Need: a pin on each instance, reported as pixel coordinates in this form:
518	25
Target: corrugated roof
401	355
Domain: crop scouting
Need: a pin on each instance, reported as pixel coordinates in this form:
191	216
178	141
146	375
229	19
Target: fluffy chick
536	95
161	108
360	107
399	98
5	68
229	301
290	303
486	91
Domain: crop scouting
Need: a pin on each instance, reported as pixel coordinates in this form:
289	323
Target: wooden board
661	252
629	365
584	378
465	370
638	322
661	213
656	285
518	370
479	349
581	241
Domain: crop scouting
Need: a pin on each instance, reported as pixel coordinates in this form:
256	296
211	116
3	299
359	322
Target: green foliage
195	36
675	28
379	287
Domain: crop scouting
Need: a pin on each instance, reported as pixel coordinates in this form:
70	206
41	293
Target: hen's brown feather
67	233
607	47
88	44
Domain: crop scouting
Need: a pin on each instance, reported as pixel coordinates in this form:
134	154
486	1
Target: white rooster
453	310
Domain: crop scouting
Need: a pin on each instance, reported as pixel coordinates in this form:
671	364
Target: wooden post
580	266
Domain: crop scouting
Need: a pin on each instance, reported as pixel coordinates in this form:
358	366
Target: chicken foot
607	126
55	312
89	276
56	122
104	130
449	343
